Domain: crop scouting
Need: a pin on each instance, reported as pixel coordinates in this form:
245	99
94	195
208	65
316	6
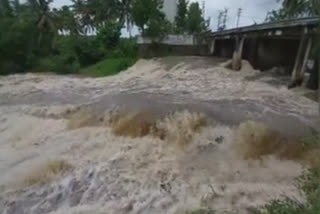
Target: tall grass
202	211
310	185
108	67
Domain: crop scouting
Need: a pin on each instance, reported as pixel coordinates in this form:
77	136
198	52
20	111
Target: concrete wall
172	45
171	40
159	50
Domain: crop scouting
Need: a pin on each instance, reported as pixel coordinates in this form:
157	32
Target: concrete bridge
287	44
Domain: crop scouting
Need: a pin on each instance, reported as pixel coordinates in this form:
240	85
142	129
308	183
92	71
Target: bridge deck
309	22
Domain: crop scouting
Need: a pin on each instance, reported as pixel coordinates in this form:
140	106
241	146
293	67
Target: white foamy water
114	174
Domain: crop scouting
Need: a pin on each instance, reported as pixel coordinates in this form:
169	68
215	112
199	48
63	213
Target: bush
287	206
23	49
73	52
89	50
10	67
58	64
109	35
70	53
18	45
202	211
82	48
310	181
126	48
158	28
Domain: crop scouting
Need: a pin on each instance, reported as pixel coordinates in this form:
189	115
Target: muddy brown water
106	178
228	112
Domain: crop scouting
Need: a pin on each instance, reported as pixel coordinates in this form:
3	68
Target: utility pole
203	8
225	18
219	20
239	16
222	19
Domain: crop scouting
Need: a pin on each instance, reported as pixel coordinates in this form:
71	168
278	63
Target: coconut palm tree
40	11
5	8
45	18
66	20
300	8
94	13
83	14
126	14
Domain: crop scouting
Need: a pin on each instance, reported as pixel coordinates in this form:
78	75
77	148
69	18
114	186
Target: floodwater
157	138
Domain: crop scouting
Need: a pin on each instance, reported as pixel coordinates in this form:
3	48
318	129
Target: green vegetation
108	67
296	8
181	18
71	53
195	21
122	57
202	211
190	18
36	37
309	183
149	18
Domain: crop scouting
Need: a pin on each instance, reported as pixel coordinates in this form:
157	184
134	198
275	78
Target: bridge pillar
306	57
212	46
301	61
237	54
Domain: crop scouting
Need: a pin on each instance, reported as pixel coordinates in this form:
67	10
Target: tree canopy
195	20
146	12
181	18
34	34
296	9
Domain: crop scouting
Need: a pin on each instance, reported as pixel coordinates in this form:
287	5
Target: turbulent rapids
168	135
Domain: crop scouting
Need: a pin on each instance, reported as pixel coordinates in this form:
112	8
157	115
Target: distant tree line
190	18
34	36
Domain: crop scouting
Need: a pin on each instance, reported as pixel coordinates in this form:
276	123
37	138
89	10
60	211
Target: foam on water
150	175
157	159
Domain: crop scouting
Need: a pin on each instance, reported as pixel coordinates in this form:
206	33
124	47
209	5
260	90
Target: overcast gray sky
253	10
